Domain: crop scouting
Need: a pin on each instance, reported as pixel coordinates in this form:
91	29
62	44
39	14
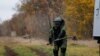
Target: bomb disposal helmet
58	21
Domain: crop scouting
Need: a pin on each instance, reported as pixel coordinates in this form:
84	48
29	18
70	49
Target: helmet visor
57	23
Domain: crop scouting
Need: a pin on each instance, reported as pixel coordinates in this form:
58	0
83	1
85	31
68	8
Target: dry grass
22	41
75	48
89	43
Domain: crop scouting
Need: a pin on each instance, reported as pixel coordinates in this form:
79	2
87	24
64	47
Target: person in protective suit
58	37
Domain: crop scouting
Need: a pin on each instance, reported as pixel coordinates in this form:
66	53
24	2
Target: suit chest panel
56	32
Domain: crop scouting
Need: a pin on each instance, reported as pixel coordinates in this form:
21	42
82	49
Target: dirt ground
34	41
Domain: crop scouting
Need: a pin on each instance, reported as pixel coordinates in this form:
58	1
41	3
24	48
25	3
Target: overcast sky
6	9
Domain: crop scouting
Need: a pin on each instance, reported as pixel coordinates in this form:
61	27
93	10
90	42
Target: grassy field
81	50
19	49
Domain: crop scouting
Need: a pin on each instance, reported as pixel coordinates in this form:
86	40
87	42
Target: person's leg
63	48
63	51
55	50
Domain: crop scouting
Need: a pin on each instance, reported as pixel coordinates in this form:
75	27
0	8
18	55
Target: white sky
6	9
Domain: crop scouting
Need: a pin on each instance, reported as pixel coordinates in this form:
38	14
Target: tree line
35	17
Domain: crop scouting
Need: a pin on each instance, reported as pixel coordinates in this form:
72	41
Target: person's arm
50	37
63	34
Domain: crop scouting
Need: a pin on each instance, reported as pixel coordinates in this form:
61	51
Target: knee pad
63	50
55	50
